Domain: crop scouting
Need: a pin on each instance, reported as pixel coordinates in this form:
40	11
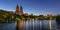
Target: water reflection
21	25
9	26
50	25
27	25
40	25
31	25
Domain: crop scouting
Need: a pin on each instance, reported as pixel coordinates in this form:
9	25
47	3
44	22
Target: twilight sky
37	7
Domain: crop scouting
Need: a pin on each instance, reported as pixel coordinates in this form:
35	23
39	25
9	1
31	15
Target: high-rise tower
21	10
17	9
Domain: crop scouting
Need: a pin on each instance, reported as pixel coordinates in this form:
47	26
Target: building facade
19	11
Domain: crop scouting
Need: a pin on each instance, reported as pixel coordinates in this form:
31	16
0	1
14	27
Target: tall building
19	11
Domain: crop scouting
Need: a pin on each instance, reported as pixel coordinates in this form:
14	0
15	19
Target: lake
31	25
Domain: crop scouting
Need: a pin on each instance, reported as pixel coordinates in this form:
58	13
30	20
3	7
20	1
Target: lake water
31	25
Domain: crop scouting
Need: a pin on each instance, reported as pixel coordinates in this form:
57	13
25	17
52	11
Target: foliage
7	16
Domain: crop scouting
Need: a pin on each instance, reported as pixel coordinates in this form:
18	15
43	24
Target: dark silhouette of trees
58	19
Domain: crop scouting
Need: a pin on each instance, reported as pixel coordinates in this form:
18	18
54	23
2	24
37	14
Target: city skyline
37	7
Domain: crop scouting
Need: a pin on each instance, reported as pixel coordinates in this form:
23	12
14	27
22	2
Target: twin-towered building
19	10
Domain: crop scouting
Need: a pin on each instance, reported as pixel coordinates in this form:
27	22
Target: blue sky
36	7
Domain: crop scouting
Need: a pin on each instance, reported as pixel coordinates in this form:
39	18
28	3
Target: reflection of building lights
21	24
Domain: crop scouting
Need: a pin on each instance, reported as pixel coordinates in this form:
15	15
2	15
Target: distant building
26	14
49	14
19	11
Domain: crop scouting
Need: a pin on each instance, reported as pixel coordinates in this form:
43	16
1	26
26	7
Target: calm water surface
31	25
